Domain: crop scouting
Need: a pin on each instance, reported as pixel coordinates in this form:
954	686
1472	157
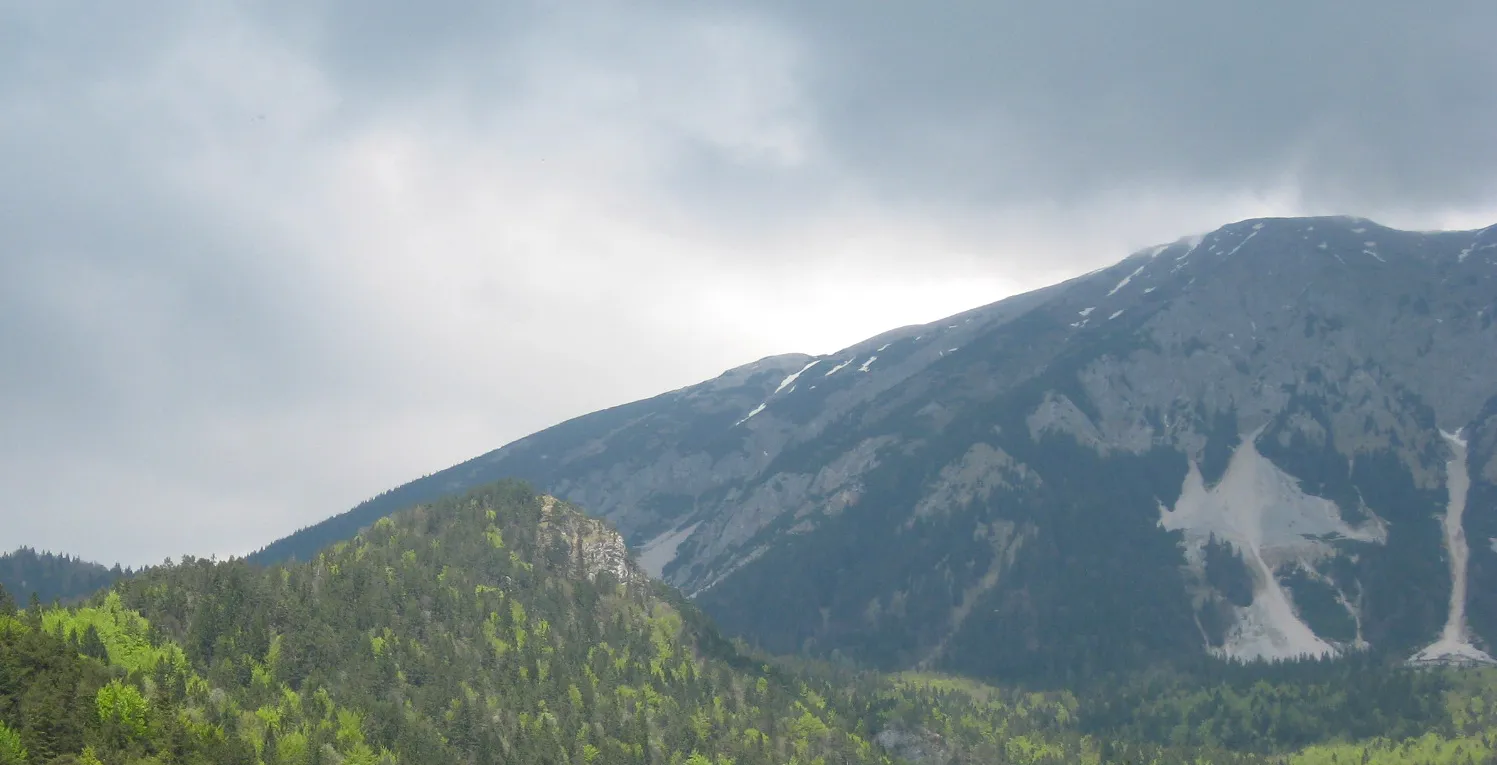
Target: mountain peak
944	495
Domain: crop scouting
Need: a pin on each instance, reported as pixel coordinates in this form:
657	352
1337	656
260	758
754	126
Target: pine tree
34	612
93	646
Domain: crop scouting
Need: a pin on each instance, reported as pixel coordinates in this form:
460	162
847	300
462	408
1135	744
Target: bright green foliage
122	709
12	751
125	635
58	702
1429	749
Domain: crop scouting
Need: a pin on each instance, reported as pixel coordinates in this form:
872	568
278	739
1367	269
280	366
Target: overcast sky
260	261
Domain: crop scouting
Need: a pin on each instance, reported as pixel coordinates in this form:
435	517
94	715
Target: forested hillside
52	576
506	627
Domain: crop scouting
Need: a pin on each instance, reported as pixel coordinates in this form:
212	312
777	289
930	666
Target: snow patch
1257	226
1454	645
1125	280
1374	254
788	381
1147	290
881	348
1115	314
871	359
1086	311
1466	253
757	410
834	369
1261	511
1245	240
657	553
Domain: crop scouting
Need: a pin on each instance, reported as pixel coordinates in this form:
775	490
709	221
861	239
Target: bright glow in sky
261	261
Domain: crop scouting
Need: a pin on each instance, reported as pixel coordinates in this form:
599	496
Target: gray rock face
595	548
1060	481
920	747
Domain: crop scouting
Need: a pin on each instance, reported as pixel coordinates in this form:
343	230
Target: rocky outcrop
593	546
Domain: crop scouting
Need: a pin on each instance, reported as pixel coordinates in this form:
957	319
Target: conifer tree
34	612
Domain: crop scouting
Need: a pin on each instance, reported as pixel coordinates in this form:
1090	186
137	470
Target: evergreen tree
92	645
34	612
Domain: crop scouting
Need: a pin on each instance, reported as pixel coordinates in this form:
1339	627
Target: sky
260	261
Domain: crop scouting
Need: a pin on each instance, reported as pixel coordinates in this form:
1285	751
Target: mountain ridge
885	500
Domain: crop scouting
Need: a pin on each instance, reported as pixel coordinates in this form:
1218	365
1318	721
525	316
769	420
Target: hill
52	576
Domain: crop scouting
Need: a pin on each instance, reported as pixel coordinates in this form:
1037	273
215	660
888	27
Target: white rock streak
1261	511
1454	645
657	553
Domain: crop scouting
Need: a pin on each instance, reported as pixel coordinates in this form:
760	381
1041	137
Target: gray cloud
260	261
1381	106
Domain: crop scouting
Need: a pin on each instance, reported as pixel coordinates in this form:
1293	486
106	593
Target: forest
24	571
495	628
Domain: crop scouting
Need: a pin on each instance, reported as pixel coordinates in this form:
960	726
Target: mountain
52	576
1276	440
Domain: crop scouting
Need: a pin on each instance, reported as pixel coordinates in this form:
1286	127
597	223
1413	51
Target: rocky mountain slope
1275	440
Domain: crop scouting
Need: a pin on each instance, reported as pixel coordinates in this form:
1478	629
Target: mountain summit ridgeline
1276	440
